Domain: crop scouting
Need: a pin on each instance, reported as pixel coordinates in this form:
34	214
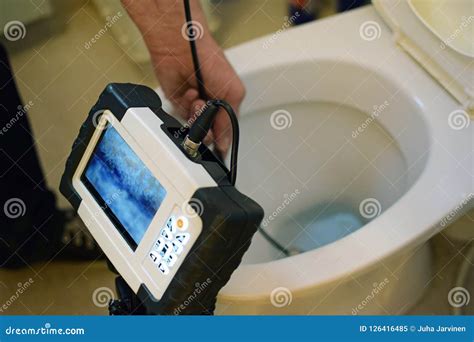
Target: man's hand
161	24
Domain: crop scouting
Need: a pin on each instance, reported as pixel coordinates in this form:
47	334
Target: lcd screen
123	186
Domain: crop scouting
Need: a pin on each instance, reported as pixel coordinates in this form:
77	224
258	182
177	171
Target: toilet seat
437	35
413	218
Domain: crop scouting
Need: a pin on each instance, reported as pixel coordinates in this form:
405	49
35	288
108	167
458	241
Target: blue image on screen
126	186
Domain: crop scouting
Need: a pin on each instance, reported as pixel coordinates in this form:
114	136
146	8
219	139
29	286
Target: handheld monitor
164	220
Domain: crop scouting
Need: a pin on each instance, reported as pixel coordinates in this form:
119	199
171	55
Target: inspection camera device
161	206
159	203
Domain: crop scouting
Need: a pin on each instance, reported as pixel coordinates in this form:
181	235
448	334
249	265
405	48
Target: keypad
170	243
183	238
166	234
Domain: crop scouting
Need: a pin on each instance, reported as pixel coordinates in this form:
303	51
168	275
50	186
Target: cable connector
199	129
191	147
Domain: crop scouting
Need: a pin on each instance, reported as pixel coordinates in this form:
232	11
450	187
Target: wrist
162	25
165	51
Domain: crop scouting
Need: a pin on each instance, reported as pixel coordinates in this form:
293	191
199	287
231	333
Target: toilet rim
349	255
245	284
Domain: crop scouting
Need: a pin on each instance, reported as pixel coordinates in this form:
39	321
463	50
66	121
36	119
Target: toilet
356	139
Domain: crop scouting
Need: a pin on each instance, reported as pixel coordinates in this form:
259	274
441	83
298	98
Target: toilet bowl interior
322	159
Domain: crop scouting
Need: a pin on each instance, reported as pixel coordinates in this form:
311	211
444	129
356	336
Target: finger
190	96
196	110
222	128
184	104
209	139
236	97
222	132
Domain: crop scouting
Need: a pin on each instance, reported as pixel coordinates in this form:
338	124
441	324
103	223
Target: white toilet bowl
347	144
358	150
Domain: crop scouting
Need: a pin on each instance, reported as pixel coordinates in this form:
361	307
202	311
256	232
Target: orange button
181	223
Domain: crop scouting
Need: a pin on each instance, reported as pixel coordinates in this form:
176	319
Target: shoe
76	241
62	236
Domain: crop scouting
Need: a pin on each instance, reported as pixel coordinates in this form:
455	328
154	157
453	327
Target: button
163	268
167	248
177	247
183	238
170	224
159	244
171	259
182	223
155	257
166	233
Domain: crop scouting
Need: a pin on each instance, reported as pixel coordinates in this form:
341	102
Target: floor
63	79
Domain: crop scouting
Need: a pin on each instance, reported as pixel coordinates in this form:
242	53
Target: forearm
160	23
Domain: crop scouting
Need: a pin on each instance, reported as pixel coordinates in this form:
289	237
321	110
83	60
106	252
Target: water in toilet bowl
327	223
311	173
314	228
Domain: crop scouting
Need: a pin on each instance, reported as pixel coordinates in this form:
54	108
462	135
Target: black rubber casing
229	218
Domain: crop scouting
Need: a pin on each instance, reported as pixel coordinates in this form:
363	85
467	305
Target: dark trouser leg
345	5
27	208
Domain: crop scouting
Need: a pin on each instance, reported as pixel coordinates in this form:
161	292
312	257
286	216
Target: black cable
197	69
235	138
192	43
207	121
202	125
203	95
273	242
